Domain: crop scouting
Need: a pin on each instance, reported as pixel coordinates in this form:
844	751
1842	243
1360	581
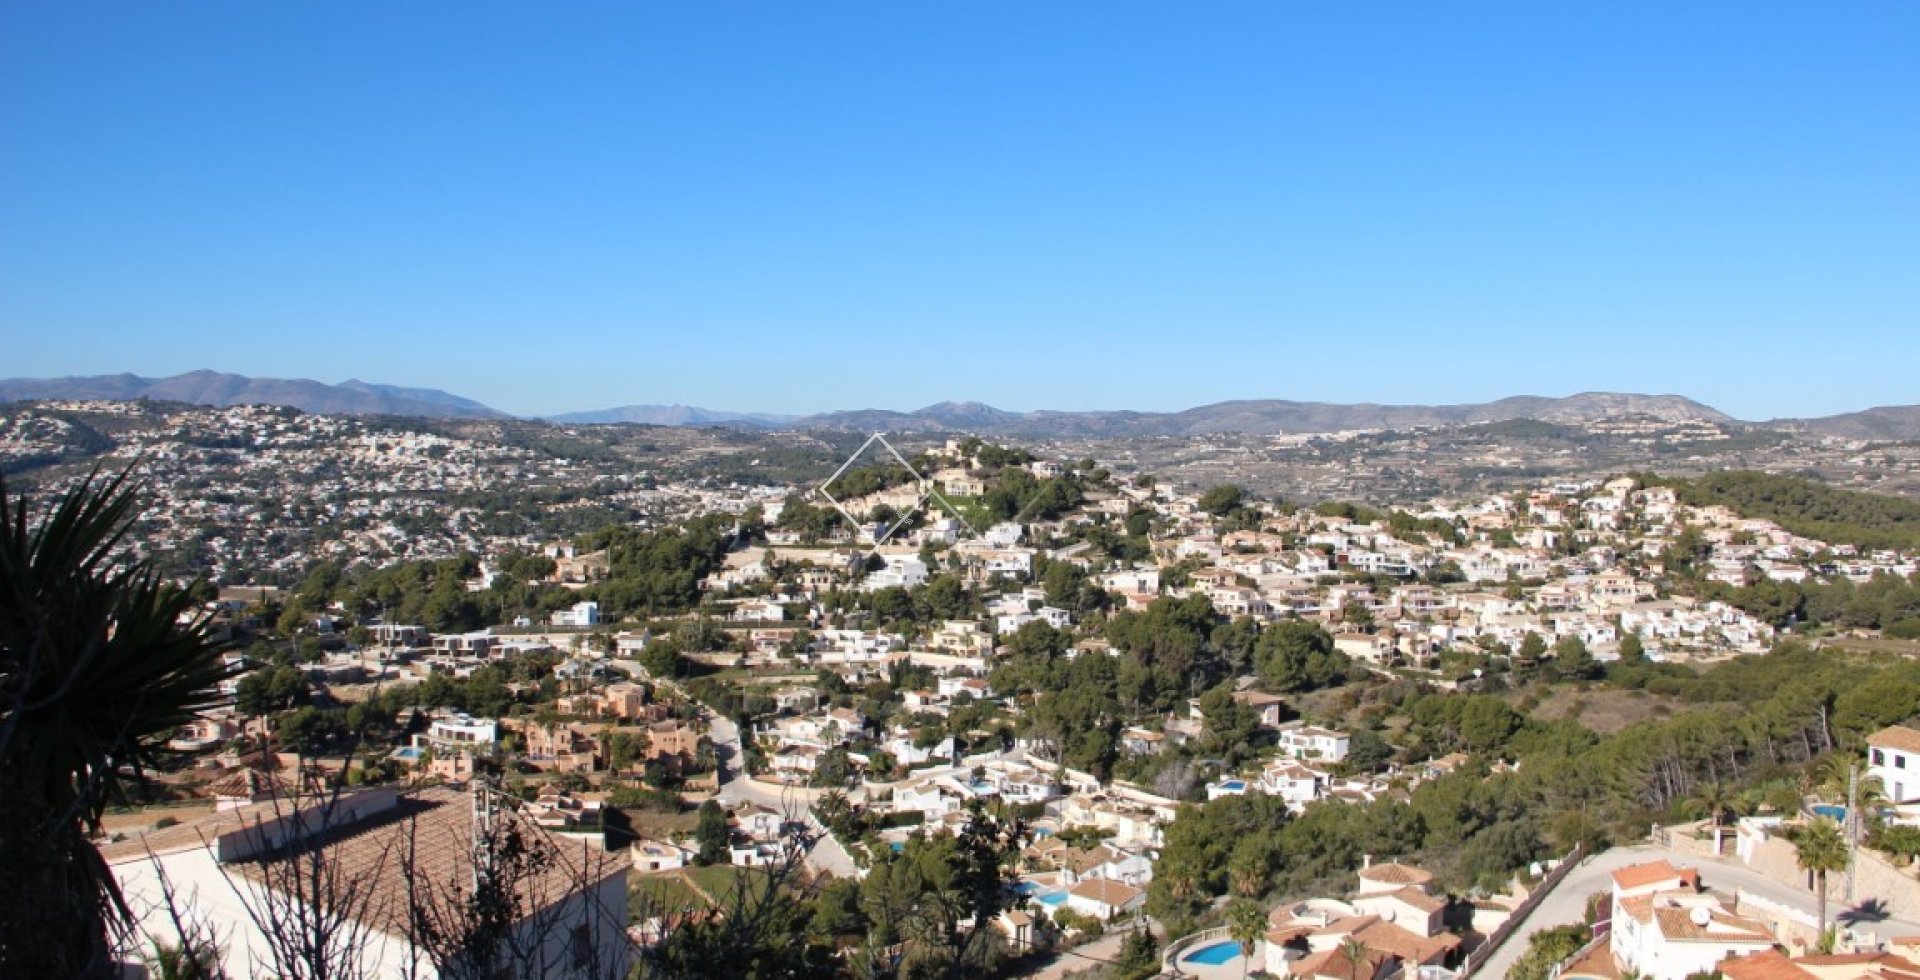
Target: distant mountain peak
674	415
215	388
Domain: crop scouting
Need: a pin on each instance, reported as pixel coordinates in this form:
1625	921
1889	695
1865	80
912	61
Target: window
1879	758
1900	761
582	947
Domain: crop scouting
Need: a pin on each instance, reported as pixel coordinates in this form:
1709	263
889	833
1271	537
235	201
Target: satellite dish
1700	916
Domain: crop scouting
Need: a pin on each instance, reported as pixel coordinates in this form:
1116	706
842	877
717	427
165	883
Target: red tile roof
1397	874
1765	965
1898	737
1652	873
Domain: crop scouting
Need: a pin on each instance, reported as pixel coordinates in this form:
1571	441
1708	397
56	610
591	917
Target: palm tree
1718	801
99	660
1819	848
1246	923
1358	956
1247	873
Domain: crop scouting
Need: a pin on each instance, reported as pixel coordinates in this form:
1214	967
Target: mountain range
679	415
221	390
1253	417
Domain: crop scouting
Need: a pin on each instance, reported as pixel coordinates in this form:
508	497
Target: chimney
1366	861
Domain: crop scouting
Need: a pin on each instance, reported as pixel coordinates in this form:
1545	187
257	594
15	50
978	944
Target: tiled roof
1418	899
246	783
1768	964
1898	737
1397	874
1335	963
1082	861
436	824
1596	965
1406	944
1651	873
1105	890
1677	925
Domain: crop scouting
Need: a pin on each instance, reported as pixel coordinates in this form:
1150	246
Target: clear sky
806	206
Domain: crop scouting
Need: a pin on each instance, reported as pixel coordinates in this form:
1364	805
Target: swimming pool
1831	812
409	753
1055	899
1214	955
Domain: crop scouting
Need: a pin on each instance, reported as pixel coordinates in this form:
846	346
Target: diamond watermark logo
925	492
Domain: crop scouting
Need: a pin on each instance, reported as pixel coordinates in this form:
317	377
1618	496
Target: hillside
1866	520
685	415
1264	417
219	390
1892	423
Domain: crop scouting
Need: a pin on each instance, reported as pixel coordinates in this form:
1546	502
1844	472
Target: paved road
1095	954
1567	904
826	855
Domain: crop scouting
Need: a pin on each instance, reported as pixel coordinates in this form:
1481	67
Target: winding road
826	856
1567	905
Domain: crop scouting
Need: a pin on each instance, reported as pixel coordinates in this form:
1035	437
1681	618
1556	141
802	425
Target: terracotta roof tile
1898	737
1598	964
1418	899
1768	964
437	822
1405	944
1651	873
1105	890
1677	924
1397	874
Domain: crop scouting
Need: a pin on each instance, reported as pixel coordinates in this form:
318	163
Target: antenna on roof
482	833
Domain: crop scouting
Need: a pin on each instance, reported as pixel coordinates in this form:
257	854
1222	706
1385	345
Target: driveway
1091	956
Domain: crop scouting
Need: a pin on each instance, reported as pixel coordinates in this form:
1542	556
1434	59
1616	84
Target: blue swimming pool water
1831	811
409	752
1054	898
1214	955
1234	784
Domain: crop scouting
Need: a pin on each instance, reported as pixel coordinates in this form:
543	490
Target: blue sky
798	207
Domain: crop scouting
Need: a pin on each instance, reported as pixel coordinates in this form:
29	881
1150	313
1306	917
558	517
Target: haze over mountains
1253	417
214	388
674	415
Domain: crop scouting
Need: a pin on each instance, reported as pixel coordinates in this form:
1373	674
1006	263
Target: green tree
1359	957
1632	651
99	661
1572	660
1900	840
624	748
1295	655
1229	724
712	837
1139	955
1246	923
1532	648
1367	751
1546	950
1719	801
1222	500
1357	615
1819	849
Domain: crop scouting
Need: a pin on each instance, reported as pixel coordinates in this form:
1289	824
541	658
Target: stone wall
1894	891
